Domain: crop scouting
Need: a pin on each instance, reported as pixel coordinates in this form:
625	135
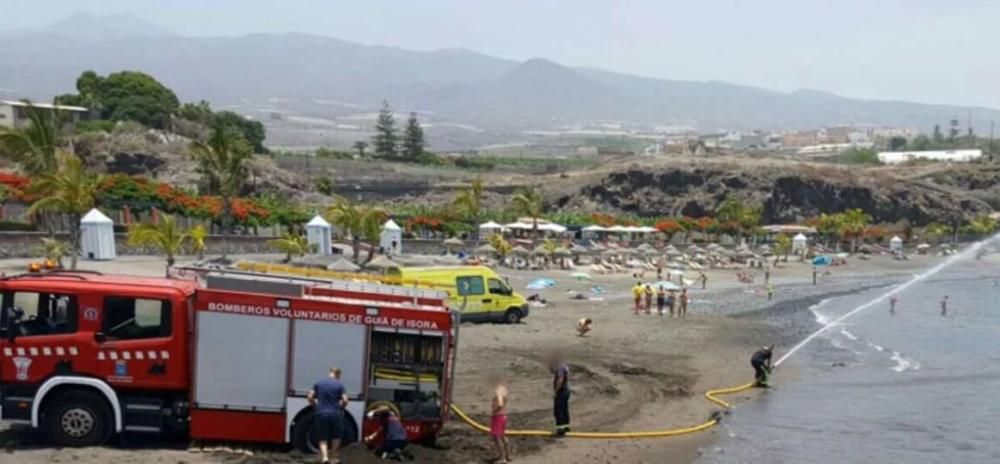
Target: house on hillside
15	113
893	157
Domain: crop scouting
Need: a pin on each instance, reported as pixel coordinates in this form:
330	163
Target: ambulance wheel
79	418
512	316
304	434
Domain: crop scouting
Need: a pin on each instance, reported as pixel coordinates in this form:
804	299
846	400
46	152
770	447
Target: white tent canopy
896	243
319	235
490	226
391	240
97	236
799	242
543	226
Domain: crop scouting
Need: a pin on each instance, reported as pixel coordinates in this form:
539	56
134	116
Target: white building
15	114
319	235
894	157
799	243
97	236
896	244
391	240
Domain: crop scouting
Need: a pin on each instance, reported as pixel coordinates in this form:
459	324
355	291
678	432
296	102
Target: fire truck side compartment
244	366
319	345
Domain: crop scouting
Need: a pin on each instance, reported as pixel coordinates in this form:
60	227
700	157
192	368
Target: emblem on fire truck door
21	366
90	314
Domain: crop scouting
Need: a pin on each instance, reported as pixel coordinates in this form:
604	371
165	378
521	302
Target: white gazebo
319	235
489	228
97	236
799	243
391	240
896	244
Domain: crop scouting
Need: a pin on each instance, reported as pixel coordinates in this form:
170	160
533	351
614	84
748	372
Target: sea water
914	387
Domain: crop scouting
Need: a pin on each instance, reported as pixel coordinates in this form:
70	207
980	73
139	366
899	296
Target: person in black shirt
761	362
560	394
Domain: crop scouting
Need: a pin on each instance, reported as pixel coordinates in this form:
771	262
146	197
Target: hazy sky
919	50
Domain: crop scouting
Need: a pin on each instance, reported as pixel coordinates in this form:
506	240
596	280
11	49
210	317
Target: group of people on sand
643	295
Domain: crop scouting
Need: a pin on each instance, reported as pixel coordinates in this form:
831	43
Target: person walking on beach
661	299
704	280
767	275
683	311
329	398
637	293
498	424
761	362
814	275
892	304
770	292
944	306
648	292
560	394
672	303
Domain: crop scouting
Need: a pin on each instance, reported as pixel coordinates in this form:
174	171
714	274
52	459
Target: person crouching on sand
583	326
498	423
761	362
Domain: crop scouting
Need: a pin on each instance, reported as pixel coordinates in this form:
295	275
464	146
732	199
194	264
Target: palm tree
290	245
165	235
528	202
361	223
34	146
501	245
222	162
54	250
828	225
469	201
70	190
782	246
197	236
853	223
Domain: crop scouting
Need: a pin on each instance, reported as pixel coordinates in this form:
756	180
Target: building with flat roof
15	113
893	157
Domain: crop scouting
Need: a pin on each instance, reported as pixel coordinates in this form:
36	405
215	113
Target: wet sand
632	373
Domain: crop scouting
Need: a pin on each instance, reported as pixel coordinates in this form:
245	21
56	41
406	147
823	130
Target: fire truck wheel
79	418
512	316
304	438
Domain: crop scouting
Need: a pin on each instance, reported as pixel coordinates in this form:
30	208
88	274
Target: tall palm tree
198	234
853	223
166	236
70	190
34	146
528	202
291	245
361	223
470	200
222	162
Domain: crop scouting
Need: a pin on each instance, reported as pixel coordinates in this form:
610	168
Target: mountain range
452	84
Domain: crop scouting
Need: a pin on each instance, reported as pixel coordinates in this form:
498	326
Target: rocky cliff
788	193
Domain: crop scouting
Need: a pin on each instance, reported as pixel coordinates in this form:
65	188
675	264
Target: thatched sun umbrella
453	243
519	251
381	264
343	265
486	249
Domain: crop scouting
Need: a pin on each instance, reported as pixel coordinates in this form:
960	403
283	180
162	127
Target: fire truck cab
85	356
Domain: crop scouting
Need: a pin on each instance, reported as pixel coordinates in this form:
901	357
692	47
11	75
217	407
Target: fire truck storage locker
240	377
318	345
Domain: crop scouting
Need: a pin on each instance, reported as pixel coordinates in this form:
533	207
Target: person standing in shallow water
944	306
814	275
892	304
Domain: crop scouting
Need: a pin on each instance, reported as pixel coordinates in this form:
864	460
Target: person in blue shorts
329	398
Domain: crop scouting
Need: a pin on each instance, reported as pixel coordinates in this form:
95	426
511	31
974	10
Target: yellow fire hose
709	395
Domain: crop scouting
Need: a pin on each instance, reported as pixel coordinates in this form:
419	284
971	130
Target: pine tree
384	140
413	139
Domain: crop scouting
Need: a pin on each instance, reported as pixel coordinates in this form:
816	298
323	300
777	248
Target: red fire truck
223	356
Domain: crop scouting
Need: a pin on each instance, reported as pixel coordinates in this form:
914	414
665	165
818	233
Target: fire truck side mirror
100	337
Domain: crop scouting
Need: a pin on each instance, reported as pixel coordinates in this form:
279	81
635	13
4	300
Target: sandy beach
632	373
